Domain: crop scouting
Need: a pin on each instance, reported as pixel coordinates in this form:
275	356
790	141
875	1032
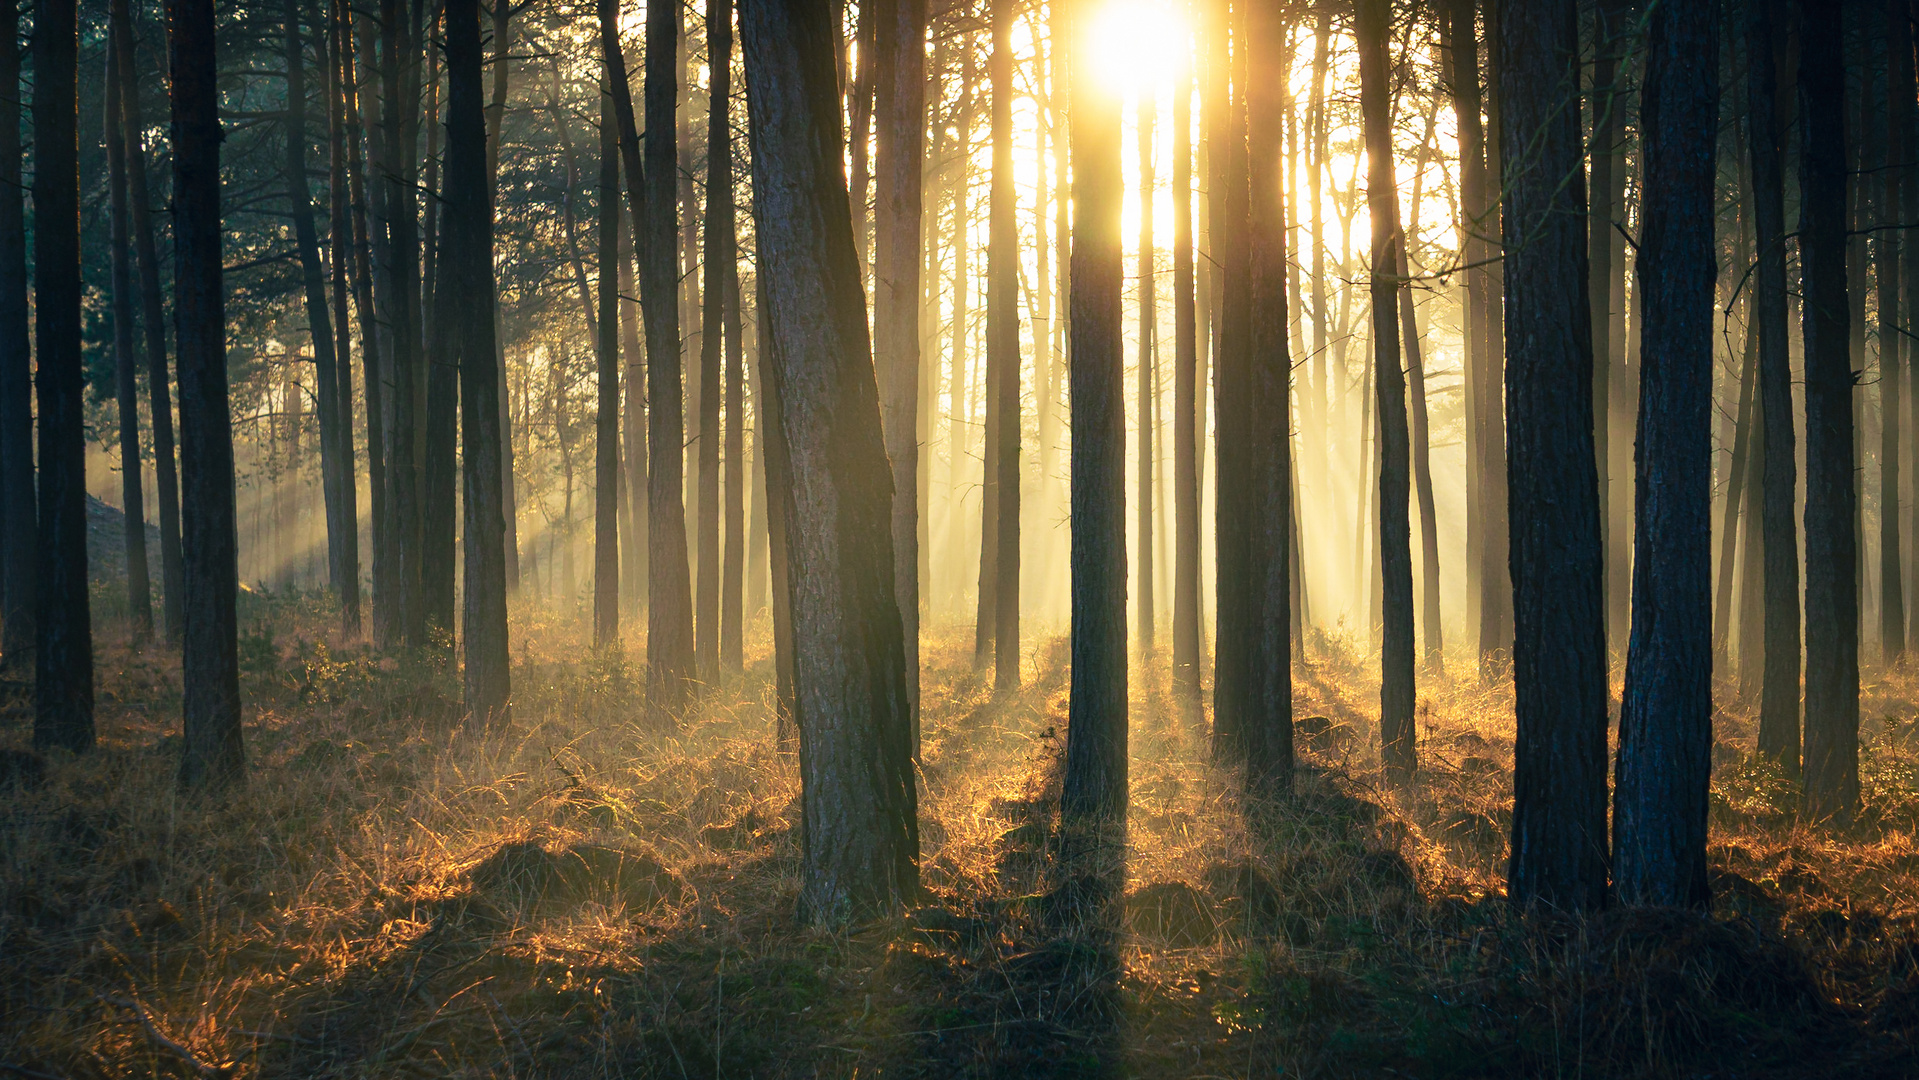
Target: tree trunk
733	573
1096	725
495	121
1003	361
606	415
397	169
717	261
633	560
1665	727
831	475
126	384
1779	694
63	674
900	104
1434	652
1148	376
1396	695
19	516
347	572
371	365
1559	659
1832	596
1231	402
212	752
1187	644
439	472
1893	349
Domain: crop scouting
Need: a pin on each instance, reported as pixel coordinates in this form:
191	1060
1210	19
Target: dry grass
577	895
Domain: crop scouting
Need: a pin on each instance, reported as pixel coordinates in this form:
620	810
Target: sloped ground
577	895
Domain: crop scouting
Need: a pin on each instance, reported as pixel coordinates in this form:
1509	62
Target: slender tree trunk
900	104
19	517
1832	596
1147	373
719	257
1434	655
1187	645
1665	729
1232	402
606	416
1003	361
397	171
63	673
829	469
495	121
340	233
212	752
126	384
1096	725
1779	694
1496	614
1559	660
439	473
371	364
732	577
1893	349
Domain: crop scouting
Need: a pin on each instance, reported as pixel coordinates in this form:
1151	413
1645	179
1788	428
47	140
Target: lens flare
1134	45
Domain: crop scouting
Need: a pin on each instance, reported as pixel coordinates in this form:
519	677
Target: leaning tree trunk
212	753
1665	726
127	387
1396	658
1559	651
63	667
900	104
1832	552
1096	723
606	414
19	517
1002	358
831	474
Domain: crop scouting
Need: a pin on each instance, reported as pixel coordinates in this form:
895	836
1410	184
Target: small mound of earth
1173	914
530	873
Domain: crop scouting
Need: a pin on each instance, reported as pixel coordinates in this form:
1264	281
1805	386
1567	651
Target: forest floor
575	894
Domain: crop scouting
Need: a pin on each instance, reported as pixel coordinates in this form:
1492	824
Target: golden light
1134	46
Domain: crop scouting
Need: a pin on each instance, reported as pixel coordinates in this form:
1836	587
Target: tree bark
212	751
439	464
1003	361
1832	595
723	255
19	516
606	415
1231	402
1893	349
126	384
1665	728
1186	420
396	171
831	475
1147	373
719	257
371	364
347	573
1559	660
495	122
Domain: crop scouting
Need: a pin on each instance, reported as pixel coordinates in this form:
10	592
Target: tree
900	108
1665	728
63	658
1832	554
212	753
1559	659
19	519
1096	721
723	236
606	416
715	267
1186	529
1372	21
133	511
1892	345
346	571
829	472
1231	396
1002	358
1147	374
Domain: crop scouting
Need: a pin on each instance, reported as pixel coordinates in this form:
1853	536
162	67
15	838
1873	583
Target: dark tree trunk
1002	347
19	517
1096	725
1267	720
1892	343
1231	403
1396	695
606	415
715	265
126	383
468	272
212	753
361	268
1496	616
1779	693
1832	556
831	475
63	682
1186	534
1665	727
495	120
723	241
346	572
396	169
1559	653
669	636
1433	644
900	104
637	424
1147	374
335	440
439	450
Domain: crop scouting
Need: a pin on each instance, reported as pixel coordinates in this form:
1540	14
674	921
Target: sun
1135	46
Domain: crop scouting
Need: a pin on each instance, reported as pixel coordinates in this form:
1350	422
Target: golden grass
579	895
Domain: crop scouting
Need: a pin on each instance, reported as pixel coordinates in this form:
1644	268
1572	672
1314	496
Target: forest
959	538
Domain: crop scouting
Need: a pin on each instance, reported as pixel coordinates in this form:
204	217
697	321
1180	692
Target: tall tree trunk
212	752
126	384
1893	350
1434	650
1496	614
900	104
439	472
606	415
1559	658
340	234
1832	597
63	671
1096	724
1003	362
829	471
361	269
495	121
1665	728
1231	401
669	636
1267	698
19	517
718	258
1372	19
1148	375
1186	539
397	170
1605	108
724	234
1779	694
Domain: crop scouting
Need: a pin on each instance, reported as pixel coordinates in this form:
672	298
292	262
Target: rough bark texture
900	101
1832	554
63	660
126	384
1397	654
19	519
1665	728
1096	724
212	752
1559	856
1003	362
831	476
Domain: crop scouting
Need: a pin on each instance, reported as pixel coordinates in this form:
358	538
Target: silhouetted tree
606	415
19	519
1002	356
126	385
1186	420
